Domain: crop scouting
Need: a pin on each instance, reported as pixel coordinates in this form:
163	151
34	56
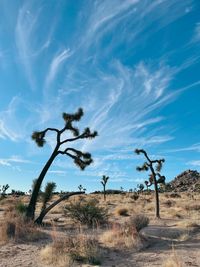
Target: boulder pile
186	181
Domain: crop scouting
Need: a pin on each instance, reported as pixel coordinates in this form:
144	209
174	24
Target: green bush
21	208
87	212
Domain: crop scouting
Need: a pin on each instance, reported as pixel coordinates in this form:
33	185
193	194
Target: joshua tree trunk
157	206
32	204
104	193
157	201
45	211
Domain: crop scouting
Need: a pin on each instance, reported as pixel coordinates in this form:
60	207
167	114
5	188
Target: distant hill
186	181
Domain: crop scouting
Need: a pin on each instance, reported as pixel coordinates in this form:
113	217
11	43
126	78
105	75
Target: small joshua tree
81	188
81	159
104	181
3	190
155	177
47	194
140	188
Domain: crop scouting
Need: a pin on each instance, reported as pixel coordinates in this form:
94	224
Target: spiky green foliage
48	193
38	137
104	180
80	158
140	187
87	212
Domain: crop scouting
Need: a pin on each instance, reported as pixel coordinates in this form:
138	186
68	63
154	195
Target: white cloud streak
14	159
196	37
194	163
56	63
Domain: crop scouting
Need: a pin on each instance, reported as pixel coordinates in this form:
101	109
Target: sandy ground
162	240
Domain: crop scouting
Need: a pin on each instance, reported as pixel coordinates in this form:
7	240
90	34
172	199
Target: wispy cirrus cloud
56	63
9	126
24	28
29	45
195	163
193	147
14	159
196	36
58	172
123	89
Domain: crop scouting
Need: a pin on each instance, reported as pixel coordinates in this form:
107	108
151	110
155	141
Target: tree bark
30	213
45	211
157	211
157	207
104	193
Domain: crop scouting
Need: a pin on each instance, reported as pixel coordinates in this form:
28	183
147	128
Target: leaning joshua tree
81	159
104	181
155	177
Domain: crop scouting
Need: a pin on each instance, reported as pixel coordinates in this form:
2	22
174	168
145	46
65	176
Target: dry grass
15	228
50	256
121	237
173	261
125	235
66	251
192	207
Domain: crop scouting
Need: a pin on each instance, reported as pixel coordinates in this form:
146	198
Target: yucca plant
47	194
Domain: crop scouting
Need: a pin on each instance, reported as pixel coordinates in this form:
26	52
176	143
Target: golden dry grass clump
66	251
173	261
125	235
15	228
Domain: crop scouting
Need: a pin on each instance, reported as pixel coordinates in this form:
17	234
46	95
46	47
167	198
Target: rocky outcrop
186	181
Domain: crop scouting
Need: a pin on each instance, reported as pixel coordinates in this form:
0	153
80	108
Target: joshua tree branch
64	197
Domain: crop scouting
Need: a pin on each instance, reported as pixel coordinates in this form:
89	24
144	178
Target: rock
186	181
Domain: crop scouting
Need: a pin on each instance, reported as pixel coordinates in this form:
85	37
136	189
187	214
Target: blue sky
132	65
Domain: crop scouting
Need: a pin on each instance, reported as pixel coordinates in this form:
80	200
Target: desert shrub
175	195
195	207
121	236
80	248
21	208
87	212
139	221
135	196
169	203
122	211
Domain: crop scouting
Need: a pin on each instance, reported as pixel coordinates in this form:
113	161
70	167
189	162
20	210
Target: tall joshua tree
155	177
104	181
81	159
